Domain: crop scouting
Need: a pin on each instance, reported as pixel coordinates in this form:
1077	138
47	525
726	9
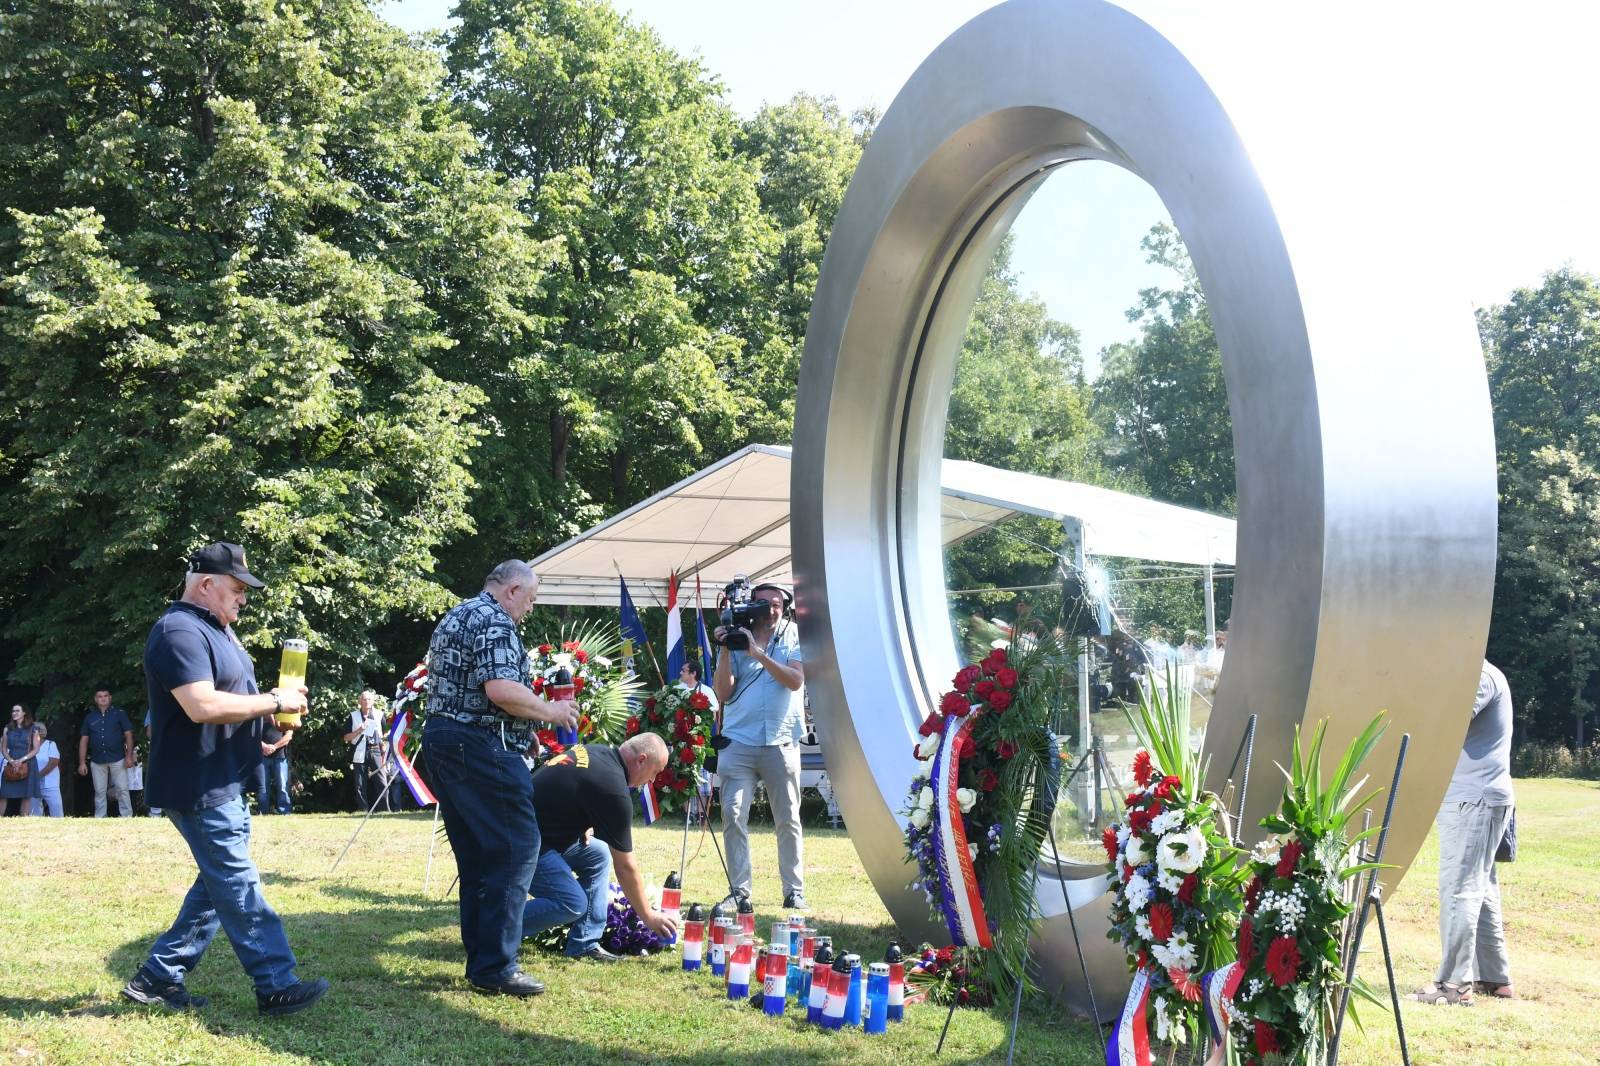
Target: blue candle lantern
857	991
877	1019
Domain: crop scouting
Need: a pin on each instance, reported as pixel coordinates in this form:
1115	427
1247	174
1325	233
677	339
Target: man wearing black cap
205	742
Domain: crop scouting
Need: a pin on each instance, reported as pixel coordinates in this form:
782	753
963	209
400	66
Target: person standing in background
21	781
105	747
272	777
368	749
49	763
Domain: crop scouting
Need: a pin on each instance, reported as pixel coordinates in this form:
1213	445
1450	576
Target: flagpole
647	647
683	852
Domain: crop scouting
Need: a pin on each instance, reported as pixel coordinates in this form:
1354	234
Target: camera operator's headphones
788	597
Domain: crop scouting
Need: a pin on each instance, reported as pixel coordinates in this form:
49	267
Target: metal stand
1246	751
362	826
433	838
1372	901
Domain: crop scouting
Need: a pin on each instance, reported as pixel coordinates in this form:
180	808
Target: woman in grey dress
22	744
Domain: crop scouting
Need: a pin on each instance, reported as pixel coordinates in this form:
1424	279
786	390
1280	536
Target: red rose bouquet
602	685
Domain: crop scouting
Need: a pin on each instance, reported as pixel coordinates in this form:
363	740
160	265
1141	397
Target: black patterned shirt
475	643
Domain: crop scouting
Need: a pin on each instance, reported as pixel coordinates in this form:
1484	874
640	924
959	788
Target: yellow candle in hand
291	675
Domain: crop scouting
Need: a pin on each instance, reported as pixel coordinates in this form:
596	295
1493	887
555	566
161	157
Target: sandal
1489	988
1437	994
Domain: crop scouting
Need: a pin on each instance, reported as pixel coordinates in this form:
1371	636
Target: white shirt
370	732
48	751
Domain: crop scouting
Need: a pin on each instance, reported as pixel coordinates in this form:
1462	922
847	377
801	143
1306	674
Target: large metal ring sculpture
1365	460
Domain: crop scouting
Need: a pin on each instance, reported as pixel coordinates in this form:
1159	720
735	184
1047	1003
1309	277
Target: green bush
1542	759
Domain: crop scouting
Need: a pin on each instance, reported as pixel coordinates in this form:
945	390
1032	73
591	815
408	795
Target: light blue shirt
762	712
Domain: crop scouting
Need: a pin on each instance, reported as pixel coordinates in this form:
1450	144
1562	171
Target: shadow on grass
389	1002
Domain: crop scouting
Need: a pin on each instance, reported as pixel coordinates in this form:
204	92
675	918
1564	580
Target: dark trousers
272	784
368	784
486	799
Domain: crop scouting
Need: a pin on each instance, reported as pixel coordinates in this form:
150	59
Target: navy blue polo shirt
105	734
193	766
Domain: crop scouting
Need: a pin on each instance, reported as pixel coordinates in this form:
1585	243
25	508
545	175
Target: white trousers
777	767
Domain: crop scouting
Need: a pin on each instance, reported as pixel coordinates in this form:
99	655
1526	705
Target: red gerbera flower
1141	767
954	703
1000	699
1266	1038
988	779
1108	838
1252	895
1288	857
581	655
1283	960
632	727
686	755
1164	789
698	741
545	649
578	684
1247	942
700	701
1160	921
1139	821
1187	986
538	686
1005	749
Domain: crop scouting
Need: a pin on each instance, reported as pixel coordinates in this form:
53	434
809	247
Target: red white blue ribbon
1220	985
960	898
647	802
1130	1037
397	751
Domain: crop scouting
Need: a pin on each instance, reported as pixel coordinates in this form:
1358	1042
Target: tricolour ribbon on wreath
960	898
1219	986
1130	1037
410	689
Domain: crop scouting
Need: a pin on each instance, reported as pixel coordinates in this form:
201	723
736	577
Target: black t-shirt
585	787
193	766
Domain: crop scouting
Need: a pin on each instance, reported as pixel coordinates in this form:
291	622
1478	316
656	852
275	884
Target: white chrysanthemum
1163	1024
1123	833
1183	851
1165	821
1138	852
1170	880
1141	925
1137	891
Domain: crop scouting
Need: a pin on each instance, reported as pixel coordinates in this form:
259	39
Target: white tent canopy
733	518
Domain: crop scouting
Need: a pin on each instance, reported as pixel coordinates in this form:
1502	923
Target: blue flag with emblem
632	627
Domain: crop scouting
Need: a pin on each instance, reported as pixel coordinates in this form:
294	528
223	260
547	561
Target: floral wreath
602	687
1175	885
1290	968
684	719
979	807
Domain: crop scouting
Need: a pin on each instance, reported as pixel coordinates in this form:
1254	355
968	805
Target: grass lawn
83	900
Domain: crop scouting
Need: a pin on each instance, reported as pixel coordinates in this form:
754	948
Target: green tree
1161	400
1544	377
626	155
248	271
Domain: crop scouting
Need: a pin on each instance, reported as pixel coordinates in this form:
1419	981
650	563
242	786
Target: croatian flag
675	657
647	800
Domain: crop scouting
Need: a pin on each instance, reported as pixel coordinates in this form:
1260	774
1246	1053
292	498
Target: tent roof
733	518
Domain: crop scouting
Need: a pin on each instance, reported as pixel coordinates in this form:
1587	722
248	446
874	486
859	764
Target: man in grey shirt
1471	823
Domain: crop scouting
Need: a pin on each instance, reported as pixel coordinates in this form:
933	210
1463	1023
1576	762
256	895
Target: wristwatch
277	703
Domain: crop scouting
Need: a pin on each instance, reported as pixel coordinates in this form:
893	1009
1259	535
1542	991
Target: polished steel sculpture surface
1364	449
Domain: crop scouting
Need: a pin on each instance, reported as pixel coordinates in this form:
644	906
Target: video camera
741	611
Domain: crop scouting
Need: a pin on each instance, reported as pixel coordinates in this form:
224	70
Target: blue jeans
227	894
571	887
486	798
272	784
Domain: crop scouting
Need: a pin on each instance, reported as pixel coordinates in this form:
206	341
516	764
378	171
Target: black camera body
740	611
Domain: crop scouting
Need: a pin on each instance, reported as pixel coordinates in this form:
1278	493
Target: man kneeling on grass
581	800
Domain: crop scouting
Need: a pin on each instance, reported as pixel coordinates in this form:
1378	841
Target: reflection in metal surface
1364	449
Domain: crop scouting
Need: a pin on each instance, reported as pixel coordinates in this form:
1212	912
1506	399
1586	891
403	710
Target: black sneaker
730	902
795	901
599	954
518	984
297	997
155	993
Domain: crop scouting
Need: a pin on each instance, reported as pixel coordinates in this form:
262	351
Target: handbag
1507	851
17	771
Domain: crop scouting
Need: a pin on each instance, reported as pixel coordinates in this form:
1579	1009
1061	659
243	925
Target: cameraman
763	719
